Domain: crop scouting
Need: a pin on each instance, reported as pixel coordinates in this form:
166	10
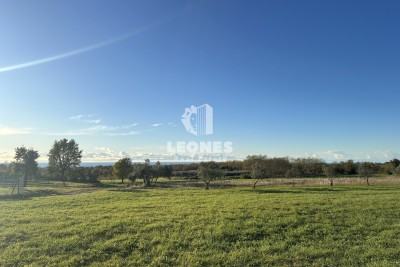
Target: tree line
65	157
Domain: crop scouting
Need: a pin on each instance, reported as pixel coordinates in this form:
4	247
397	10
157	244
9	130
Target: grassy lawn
111	225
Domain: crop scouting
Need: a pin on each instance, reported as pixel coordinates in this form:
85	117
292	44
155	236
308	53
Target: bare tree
262	167
366	170
330	171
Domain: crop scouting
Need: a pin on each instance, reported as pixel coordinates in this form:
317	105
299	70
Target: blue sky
284	78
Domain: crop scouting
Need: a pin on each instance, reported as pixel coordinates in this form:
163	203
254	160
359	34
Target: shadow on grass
108	185
323	189
28	194
129	189
294	190
273	191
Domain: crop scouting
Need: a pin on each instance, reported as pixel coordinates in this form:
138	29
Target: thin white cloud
86	119
98	129
162	124
6	130
123	134
128	126
76	118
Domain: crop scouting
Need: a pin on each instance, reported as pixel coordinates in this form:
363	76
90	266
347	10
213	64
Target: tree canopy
63	156
208	171
122	169
26	158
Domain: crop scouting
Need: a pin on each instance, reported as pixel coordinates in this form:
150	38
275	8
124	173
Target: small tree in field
208	171
262	167
366	170
63	156
146	172
258	167
122	169
330	170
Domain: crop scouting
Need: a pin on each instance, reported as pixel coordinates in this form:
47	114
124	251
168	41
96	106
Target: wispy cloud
90	118
129	126
6	130
169	124
98	129
123	134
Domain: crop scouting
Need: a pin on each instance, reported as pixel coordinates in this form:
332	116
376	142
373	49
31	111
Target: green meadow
114	225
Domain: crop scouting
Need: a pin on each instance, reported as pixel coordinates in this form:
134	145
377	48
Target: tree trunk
331	182
255	183
25	181
367	181
63	178
147	182
206	185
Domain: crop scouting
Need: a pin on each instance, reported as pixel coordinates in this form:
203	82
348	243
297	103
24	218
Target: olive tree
262	167
330	170
366	170
122	169
208	171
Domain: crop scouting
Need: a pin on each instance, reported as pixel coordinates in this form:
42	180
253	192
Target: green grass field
110	225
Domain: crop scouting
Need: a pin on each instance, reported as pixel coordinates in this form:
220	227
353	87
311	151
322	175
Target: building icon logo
198	120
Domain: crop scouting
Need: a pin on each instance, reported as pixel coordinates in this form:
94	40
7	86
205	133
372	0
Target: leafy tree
390	166
122	168
163	170
309	167
27	159
63	156
208	171
397	170
293	172
350	167
146	172
366	170
395	162
166	171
